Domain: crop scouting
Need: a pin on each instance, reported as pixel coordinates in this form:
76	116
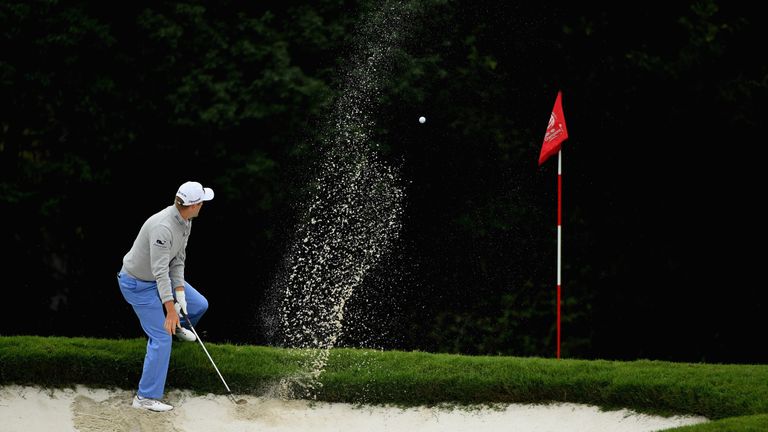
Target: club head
236	401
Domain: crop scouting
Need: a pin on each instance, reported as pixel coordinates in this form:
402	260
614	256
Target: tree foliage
106	108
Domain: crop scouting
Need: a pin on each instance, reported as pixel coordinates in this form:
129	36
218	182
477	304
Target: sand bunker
32	409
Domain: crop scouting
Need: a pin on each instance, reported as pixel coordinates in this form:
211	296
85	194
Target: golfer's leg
197	304
152	383
142	295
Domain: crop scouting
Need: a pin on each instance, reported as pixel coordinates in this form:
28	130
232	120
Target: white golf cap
193	193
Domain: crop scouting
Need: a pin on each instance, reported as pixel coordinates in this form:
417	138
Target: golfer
151	278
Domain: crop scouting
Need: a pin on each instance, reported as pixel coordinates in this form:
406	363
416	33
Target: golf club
229	392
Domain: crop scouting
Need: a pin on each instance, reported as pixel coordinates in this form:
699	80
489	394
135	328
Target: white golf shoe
150	404
185	335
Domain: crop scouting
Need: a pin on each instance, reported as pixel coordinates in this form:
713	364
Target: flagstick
556	134
559	238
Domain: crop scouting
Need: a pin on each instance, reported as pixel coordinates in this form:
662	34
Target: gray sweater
159	251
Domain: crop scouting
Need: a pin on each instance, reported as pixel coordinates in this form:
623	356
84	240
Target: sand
32	409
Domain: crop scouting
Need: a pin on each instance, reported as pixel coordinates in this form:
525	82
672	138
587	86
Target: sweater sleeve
160	241
177	266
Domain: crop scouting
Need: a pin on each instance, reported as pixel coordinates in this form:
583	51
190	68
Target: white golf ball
422	119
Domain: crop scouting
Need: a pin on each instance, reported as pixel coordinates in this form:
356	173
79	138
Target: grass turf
736	393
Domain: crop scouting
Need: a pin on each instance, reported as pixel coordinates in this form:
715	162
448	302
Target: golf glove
181	302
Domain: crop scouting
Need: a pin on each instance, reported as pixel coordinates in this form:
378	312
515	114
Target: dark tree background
105	108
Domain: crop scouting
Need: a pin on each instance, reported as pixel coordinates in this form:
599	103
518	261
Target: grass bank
736	393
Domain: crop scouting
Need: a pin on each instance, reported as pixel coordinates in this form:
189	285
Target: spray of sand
352	215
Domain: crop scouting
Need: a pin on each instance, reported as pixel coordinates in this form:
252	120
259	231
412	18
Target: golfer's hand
181	302
171	318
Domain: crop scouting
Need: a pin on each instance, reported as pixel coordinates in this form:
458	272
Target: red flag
556	131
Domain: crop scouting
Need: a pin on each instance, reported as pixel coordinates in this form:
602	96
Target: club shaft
206	352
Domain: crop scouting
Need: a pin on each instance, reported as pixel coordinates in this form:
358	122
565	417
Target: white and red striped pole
559	238
556	134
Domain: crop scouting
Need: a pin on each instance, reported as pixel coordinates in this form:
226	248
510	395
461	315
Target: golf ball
422	119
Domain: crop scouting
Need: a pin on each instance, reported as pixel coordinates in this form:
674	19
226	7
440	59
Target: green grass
753	423
738	394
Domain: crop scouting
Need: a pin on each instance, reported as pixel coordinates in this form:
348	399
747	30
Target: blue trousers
145	299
